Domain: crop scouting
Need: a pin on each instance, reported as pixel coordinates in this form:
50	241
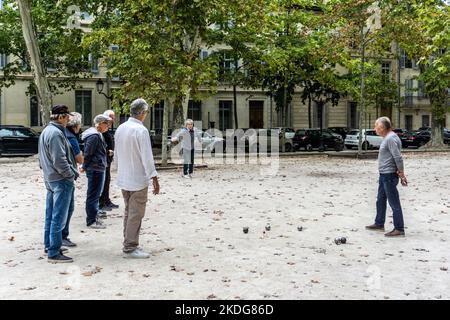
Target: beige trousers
135	202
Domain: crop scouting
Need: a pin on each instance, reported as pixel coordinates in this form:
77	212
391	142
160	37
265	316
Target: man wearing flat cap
95	165
58	164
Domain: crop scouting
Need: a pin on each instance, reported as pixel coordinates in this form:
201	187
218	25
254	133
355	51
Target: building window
408	122
386	68
408	92
159	115
225	115
426	120
3	60
35	112
93	62
421	89
405	61
352	121
195	110
83	105
226	65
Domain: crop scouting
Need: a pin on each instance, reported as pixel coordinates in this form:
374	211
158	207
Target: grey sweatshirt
390	158
56	158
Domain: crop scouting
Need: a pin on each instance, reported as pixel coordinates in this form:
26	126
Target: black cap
61	109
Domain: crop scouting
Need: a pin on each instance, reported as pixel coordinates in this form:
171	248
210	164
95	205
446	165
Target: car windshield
353	133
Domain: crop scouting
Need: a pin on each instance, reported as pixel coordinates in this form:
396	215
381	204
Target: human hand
155	186
111	153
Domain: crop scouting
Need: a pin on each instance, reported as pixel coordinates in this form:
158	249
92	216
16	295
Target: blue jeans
65	232
188	165
96	180
59	194
387	190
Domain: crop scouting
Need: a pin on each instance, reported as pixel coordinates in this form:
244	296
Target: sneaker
68	243
96	225
186	176
61	250
395	233
60	258
375	227
190	176
136	254
104	208
101	215
112	205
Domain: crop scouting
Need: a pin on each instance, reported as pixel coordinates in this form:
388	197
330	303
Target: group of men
59	154
62	162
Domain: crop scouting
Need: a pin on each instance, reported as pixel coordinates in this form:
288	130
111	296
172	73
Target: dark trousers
96	179
387	191
188	163
104	198
65	232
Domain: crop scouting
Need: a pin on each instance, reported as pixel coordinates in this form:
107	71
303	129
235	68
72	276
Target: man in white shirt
135	171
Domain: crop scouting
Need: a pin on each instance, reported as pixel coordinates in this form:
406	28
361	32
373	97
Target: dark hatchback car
342	131
310	139
18	140
417	139
403	135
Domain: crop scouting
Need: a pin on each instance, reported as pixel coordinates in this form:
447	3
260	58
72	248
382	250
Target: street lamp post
99	85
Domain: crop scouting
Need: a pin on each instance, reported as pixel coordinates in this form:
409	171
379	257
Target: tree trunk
41	82
309	112
437	121
185	104
178	116
235	107
362	102
165	132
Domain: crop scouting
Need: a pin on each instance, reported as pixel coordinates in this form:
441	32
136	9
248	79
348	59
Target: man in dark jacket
105	202
58	165
95	165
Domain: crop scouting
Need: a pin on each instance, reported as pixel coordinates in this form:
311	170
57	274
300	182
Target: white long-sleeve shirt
134	156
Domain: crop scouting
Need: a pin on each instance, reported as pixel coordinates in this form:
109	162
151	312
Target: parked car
342	131
402	134
156	137
254	139
424	129
446	136
18	140
417	139
289	133
370	139
210	143
310	139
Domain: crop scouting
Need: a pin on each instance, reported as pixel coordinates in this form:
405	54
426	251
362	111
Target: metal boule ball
299	228
337	241
268	227
245	229
343	240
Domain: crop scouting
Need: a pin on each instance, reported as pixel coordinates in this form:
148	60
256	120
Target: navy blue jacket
94	150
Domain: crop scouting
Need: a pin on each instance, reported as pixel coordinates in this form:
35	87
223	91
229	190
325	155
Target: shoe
101	215
112	205
190	176
375	227
104	208
60	258
63	249
186	176
68	243
136	254
395	233
96	225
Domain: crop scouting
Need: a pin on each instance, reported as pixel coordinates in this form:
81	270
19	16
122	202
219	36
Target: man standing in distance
135	171
390	166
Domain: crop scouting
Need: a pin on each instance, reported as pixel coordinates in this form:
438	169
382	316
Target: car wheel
365	145
288	147
339	148
308	147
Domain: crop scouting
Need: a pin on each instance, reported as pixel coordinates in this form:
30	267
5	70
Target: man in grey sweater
58	164
390	166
